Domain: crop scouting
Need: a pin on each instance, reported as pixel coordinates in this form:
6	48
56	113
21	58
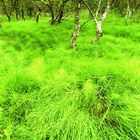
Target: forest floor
49	91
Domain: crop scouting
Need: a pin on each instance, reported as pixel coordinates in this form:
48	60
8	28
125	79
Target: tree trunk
52	18
99	32
22	14
128	13
38	16
17	18
30	12
61	11
77	26
60	16
9	18
99	23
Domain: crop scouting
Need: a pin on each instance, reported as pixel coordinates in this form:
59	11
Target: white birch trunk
77	26
99	23
128	13
99	32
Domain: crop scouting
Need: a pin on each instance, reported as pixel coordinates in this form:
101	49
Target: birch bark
76	26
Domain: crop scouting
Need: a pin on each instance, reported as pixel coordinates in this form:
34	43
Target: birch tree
77	4
99	11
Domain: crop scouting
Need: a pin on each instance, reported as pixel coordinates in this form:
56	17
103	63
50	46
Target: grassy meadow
51	92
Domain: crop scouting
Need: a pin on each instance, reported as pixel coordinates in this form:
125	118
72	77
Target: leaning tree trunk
60	15
52	18
61	11
77	26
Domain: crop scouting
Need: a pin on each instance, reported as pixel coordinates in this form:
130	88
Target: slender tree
75	34
99	11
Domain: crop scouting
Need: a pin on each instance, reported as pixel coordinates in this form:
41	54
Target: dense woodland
69	69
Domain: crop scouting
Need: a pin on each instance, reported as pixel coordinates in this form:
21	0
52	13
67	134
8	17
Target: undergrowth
50	92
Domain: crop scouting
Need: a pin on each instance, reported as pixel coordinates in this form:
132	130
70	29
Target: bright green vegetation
48	91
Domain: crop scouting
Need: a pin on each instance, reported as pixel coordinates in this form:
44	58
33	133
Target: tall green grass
48	91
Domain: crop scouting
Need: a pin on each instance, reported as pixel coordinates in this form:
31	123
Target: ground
49	91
